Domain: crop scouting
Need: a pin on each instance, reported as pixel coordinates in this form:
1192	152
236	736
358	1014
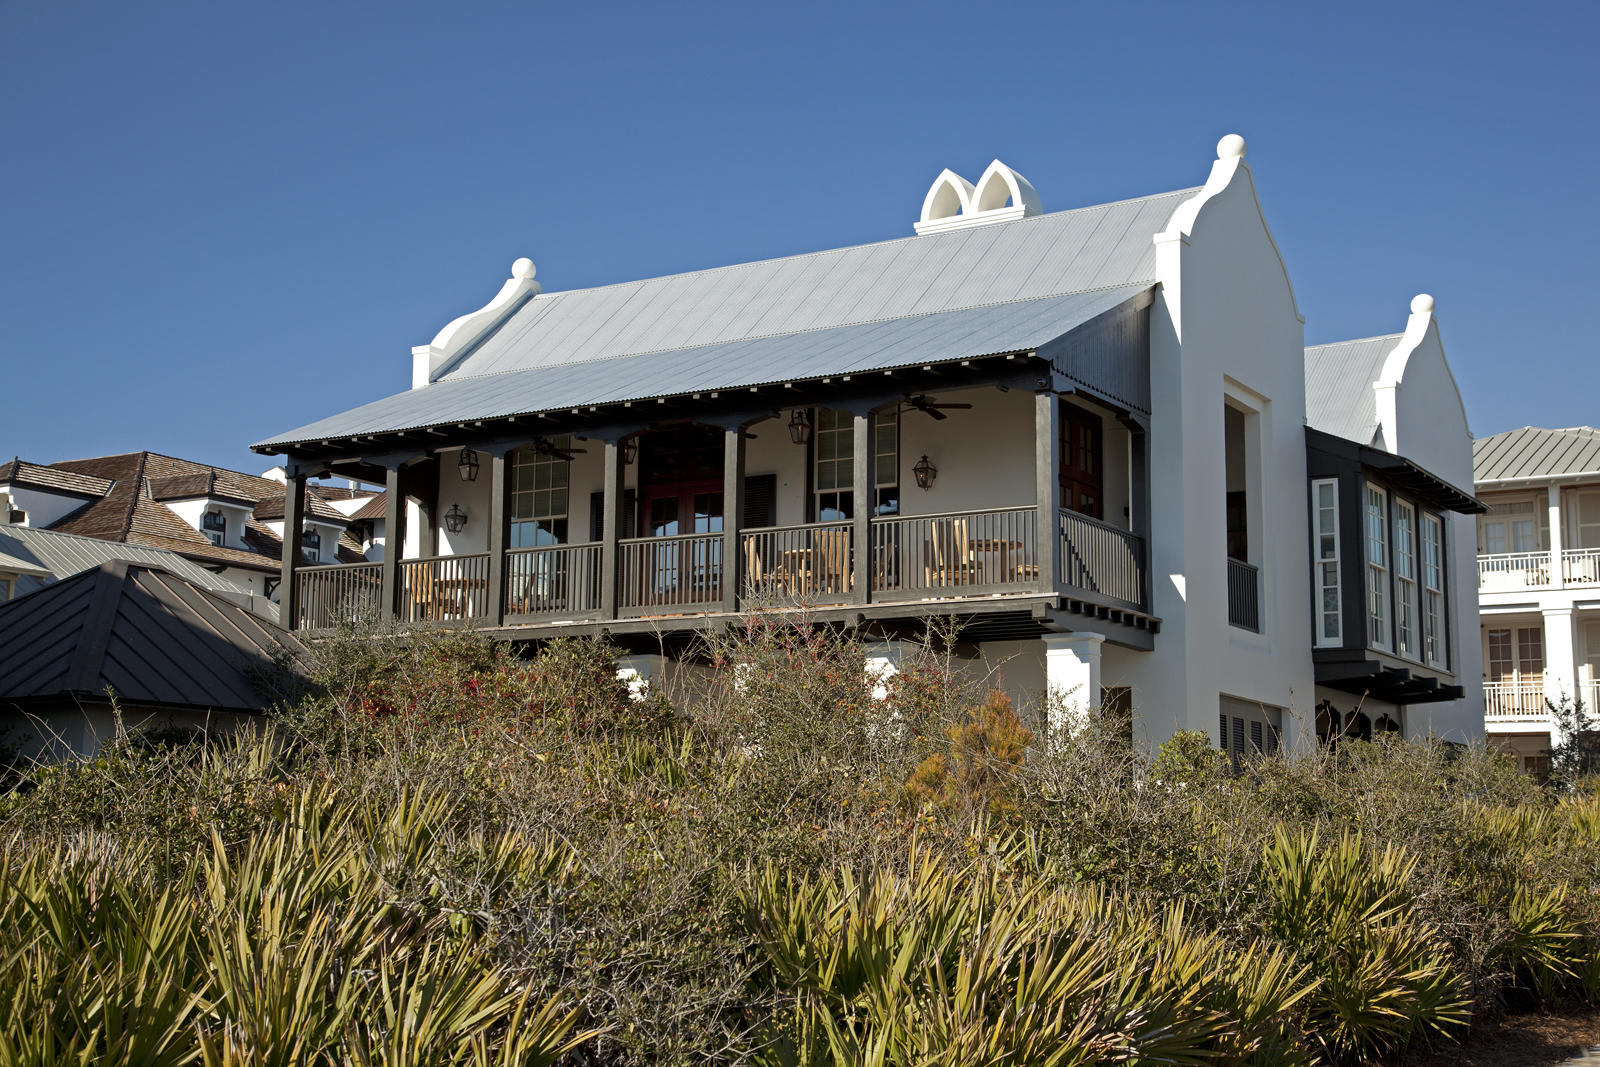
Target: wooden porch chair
949	555
830	561
757	580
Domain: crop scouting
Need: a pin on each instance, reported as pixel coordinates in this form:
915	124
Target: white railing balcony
1581	566
1513	570
1517	703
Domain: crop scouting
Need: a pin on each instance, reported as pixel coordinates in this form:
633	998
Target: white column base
637	672
1072	676
883	660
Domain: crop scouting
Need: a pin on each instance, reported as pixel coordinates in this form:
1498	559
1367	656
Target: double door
684	568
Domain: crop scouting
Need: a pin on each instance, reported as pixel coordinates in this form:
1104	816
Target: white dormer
1000	196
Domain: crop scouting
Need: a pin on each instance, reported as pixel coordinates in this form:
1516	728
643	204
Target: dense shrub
445	848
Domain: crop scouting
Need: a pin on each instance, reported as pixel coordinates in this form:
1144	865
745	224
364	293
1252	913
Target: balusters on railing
444	588
1580	566
1514	569
1518	699
956	553
1244	595
338	595
668	575
1101	558
811	563
561	580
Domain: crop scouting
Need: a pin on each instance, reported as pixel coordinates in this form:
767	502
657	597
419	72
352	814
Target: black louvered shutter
760	501
597	513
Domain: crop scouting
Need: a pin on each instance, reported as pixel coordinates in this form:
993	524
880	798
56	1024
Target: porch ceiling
912	341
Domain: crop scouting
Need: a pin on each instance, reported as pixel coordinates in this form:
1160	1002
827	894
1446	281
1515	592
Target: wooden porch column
499	535
610	530
1047	485
294	508
732	514
863	500
394	541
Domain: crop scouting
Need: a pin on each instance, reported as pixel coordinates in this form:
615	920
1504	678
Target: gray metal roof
1339	379
1533	453
865	307
1018	326
62	555
151	637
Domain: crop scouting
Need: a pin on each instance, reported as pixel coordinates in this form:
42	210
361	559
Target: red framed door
1082	476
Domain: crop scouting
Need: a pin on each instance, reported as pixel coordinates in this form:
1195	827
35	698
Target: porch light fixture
468	465
800	426
925	473
630	450
455	519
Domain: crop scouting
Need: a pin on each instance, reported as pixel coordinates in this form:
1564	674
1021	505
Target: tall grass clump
447	850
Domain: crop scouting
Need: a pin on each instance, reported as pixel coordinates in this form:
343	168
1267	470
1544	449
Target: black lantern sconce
630	450
455	519
800	426
468	465
925	473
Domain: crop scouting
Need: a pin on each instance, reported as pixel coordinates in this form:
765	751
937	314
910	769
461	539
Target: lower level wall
61	733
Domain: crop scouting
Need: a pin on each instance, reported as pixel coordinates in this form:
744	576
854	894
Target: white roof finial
523	269
1231	147
1421	304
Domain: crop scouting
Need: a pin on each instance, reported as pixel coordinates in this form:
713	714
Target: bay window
1377	538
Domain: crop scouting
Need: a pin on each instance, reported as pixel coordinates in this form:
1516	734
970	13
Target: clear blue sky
221	221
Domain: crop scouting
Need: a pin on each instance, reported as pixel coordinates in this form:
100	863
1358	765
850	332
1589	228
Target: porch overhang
1402	473
1367	676
1094	340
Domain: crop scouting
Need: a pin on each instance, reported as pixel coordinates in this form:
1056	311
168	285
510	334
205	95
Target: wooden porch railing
340	594
669	575
444	588
959	553
553	580
810	564
920	557
1102	558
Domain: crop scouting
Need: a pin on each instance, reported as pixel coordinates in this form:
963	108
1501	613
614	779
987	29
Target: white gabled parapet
1394	370
450	341
1000	195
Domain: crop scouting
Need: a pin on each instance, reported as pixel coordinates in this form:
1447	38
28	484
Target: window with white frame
541	481
886	462
1325	561
215	526
1377	538
833	470
1434	644
1405	579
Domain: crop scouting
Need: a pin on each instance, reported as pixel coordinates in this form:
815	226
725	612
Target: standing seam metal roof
896	303
1339	380
62	555
1534	452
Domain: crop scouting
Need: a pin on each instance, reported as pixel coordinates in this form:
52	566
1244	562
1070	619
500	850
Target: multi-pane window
1433	631
1377	538
833	475
310	545
1405	578
541	481
1325	561
215	526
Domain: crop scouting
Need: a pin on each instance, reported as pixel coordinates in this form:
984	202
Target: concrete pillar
1558	572
883	660
1072	675
1560	661
639	672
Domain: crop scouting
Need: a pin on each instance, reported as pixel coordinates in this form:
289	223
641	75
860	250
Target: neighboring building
32	559
1083	434
228	522
1539	581
129	638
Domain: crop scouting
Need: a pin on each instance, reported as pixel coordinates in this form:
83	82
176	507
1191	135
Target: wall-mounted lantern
800	426
630	450
468	465
455	519
925	473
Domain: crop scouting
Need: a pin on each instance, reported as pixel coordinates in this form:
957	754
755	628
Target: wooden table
1004	549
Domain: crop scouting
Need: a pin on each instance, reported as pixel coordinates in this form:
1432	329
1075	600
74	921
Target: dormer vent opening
1000	196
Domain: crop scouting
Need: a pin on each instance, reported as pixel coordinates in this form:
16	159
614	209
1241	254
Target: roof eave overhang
1397	470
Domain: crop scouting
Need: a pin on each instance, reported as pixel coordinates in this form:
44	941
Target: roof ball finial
523	269
1421	304
1231	147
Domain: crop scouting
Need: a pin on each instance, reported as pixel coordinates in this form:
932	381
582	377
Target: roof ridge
1144	284
546	296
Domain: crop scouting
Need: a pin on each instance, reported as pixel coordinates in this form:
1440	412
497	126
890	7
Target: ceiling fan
925	404
545	448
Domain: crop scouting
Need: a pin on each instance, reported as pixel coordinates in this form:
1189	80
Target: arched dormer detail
1000	196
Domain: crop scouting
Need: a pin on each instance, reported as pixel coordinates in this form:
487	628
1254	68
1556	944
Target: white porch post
883	660
1558	571
1072	677
1560	673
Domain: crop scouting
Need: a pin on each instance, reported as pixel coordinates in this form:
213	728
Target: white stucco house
1084	434
1539	581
